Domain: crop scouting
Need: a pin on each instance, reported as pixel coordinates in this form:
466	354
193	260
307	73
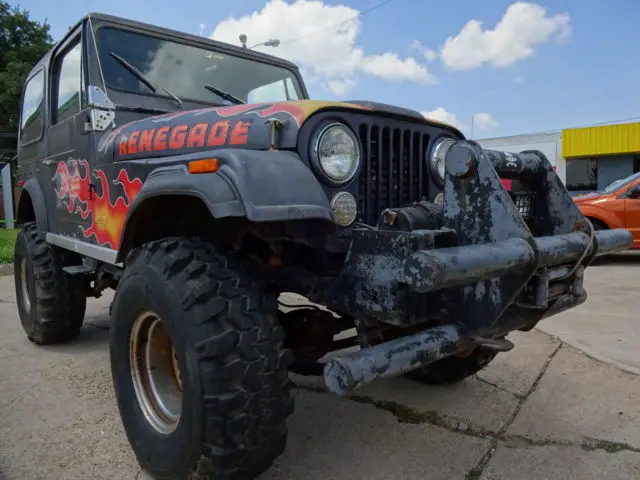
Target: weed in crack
610	447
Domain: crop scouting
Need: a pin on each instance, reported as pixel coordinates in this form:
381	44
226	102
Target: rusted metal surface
430	270
478	254
392	358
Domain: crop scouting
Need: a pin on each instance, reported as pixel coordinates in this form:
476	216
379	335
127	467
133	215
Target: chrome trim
316	152
335	199
437	145
103	254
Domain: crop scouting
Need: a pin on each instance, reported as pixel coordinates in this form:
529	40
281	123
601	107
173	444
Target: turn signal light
208	165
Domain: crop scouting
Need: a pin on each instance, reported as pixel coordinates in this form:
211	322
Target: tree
22	43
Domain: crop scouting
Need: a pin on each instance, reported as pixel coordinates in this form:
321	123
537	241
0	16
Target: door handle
47	162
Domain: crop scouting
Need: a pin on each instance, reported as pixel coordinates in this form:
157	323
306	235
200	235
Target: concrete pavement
542	411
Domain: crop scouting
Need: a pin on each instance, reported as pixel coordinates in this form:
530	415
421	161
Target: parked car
617	206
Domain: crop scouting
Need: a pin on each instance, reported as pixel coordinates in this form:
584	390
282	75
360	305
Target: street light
272	42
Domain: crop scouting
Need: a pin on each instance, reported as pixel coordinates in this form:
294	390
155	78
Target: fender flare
261	186
33	190
602	215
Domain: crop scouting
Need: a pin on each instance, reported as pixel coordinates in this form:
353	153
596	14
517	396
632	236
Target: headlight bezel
438	144
316	164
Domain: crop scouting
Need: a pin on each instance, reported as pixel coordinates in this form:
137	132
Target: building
597	156
587	159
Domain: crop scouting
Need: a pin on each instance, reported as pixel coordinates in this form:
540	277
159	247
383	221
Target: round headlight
438	155
439	199
338	153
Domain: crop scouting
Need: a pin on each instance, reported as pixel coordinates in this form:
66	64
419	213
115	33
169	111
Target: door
68	157
632	212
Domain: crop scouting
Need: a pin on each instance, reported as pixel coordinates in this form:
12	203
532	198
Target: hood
240	126
588	198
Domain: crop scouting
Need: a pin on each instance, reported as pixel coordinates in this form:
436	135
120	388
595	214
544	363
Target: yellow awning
601	140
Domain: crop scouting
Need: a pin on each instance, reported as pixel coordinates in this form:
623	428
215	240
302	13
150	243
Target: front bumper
486	272
485	257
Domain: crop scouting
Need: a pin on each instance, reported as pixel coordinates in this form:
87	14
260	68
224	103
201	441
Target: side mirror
634	192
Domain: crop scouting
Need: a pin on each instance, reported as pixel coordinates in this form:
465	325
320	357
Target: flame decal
71	186
299	110
107	216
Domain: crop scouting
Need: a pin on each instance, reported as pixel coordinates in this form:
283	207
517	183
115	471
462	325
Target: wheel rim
25	281
154	369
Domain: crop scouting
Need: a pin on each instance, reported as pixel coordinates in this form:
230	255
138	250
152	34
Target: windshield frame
196	42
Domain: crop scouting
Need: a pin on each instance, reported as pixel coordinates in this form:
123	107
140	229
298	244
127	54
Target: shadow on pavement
91	336
628	258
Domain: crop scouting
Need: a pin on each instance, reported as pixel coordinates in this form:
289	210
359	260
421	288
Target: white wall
548	143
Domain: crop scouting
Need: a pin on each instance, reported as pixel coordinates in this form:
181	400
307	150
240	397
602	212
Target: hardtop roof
136	25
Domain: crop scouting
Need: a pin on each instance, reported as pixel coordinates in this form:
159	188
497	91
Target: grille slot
525	203
393	172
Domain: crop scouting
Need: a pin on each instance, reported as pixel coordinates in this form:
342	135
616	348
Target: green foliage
22	43
7	242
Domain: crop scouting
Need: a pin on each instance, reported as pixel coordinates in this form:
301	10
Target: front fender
31	190
261	186
274	185
605	216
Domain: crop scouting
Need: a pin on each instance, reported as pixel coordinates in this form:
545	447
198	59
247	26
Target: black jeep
198	180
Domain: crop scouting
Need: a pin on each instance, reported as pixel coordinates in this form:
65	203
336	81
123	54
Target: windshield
185	70
618	184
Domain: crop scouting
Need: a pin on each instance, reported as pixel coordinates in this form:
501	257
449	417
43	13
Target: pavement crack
478	469
594	444
498	387
408	415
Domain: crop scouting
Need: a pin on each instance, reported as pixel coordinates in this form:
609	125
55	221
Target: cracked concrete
543	410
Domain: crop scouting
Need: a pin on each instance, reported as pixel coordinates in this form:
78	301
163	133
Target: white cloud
515	36
389	66
428	54
481	121
325	52
484	121
441	115
341	87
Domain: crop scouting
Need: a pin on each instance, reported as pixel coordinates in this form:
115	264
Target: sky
492	68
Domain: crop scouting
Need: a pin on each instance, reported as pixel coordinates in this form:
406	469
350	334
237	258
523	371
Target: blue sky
584	72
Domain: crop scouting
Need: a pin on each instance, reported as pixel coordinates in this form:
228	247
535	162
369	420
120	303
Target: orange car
617	206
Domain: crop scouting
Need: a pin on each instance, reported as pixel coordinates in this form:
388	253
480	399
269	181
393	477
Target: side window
31	120
68	84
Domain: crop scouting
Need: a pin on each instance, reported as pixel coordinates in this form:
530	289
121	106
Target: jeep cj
199	181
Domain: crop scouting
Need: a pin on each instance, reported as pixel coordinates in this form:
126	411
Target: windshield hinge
99	120
275	125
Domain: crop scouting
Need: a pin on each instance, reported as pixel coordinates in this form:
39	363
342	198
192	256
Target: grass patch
7	242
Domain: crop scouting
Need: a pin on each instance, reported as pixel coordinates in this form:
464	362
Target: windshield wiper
137	73
223	94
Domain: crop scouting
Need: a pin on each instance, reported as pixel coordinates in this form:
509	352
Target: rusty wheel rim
155	373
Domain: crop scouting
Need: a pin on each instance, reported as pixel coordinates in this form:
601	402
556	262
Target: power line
317	32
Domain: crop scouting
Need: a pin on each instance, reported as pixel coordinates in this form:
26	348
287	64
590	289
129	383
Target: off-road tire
453	369
235	385
57	300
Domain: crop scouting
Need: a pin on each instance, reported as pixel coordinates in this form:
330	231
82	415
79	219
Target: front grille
393	172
